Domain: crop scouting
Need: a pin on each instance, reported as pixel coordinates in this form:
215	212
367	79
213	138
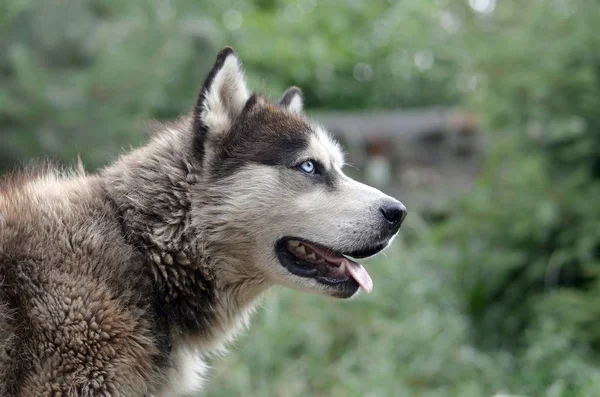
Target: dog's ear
222	97
292	100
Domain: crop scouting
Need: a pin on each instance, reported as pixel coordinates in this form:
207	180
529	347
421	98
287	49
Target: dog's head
274	196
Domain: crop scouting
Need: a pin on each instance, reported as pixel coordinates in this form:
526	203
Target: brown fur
91	265
76	305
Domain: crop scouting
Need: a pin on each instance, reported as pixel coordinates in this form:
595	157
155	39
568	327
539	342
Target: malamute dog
118	283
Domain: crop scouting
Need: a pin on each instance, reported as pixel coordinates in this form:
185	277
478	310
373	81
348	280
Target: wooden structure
420	151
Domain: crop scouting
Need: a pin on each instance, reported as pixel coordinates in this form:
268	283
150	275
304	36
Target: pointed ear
292	99
222	97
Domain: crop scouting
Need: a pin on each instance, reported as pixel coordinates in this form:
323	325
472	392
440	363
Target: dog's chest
186	375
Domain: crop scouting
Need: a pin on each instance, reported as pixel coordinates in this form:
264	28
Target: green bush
408	337
526	243
85	76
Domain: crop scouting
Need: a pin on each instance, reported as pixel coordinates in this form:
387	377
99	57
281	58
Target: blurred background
483	116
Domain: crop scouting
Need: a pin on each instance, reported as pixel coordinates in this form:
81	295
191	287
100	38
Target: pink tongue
359	273
353	269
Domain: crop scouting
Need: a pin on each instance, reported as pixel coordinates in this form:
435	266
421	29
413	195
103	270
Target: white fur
296	105
331	218
187	374
226	97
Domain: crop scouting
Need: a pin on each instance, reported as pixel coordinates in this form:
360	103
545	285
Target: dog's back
70	285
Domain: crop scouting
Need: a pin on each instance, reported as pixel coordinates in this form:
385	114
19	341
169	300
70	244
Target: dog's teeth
293	243
312	257
343	268
301	250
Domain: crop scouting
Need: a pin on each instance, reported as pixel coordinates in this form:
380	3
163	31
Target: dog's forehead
284	130
269	120
270	135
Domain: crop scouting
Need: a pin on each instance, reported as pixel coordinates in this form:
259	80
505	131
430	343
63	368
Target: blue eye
308	167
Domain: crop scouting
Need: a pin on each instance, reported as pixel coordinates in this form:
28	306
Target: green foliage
91	73
526	243
358	54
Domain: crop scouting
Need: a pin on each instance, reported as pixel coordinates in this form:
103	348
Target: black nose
394	213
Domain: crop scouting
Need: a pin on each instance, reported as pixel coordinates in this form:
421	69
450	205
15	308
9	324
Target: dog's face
275	192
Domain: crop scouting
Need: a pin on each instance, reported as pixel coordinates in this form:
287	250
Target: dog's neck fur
199	286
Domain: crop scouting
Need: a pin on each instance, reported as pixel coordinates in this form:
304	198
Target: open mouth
311	260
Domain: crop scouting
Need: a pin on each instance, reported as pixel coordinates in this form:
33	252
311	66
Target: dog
119	283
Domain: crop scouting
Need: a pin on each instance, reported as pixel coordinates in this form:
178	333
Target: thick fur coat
119	283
